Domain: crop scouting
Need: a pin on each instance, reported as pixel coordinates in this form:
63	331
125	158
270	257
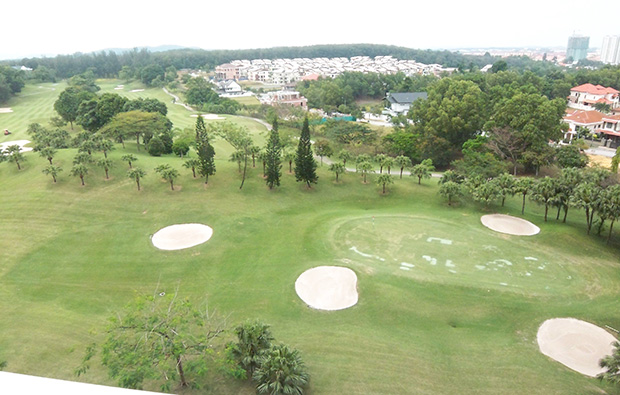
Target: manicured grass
71	256
247	100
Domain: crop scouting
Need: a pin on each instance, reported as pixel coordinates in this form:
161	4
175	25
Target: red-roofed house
584	96
606	126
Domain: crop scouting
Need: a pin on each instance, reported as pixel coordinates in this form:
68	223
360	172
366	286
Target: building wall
610	50
577	47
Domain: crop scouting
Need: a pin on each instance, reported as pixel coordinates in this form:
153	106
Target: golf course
444	304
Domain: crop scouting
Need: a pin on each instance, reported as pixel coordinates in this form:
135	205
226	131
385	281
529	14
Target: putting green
448	252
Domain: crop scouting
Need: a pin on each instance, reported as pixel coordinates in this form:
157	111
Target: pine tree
305	165
204	150
273	158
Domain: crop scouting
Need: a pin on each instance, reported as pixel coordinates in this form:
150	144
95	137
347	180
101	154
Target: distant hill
159	48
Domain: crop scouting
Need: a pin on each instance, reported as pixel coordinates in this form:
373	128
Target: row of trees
163	339
594	190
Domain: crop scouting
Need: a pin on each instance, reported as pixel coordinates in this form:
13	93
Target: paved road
603	151
178	101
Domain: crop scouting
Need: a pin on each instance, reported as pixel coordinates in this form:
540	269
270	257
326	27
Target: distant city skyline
36	28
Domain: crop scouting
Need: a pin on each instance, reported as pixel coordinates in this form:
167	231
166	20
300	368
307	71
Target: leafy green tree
167	173
380	159
402	162
273	157
254	152
239	138
155	147
106	164
281	371
129	158
52	170
524	185
192	164
423	170
611	206
570	156
140	124
79	170
104	145
337	169
611	364
615	161
506	184
253	340
486	192
136	174
82	158
365	168
305	165
237	156
450	190
150	73
384	180
13	154
451	175
388	162
162	338
47	153
69	101
146	105
323	148
204	151
344	156
544	192
587	195
565	187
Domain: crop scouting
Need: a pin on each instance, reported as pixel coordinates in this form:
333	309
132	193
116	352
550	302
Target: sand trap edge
556	339
510	225
181	236
328	288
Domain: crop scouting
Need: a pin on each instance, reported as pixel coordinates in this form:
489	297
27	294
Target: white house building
400	103
229	87
595	122
584	97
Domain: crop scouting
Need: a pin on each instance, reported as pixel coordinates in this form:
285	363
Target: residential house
284	97
230	87
400	103
585	96
595	122
227	71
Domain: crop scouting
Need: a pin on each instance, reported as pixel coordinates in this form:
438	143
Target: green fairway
445	304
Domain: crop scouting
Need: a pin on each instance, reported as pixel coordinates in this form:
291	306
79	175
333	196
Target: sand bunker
576	344
178	237
5	110
327	287
208	116
21	144
510	225
136	90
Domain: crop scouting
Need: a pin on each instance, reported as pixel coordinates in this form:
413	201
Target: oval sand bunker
509	224
576	344
178	237
327	287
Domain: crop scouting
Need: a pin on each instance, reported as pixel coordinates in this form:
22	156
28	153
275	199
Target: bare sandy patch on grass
136	90
576	344
328	287
178	237
509	225
5	110
21	144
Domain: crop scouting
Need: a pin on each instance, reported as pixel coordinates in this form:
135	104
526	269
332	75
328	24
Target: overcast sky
44	27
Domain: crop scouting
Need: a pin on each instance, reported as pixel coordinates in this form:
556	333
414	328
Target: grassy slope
71	256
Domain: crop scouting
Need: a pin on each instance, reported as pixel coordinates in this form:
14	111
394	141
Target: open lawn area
445	306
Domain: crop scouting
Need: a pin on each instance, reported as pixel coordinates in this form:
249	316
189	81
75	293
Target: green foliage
167	173
365	167
106	164
451	191
146	105
151	74
305	165
180	147
136	174
155	147
52	170
192	164
323	148
281	372
543	192
423	169
13	154
69	101
79	170
337	169
611	364
273	157
11	82
570	156
163	338
129	158
486	192
349	132
137	124
253	341
384	180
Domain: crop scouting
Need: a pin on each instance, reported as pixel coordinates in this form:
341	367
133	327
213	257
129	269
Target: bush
156	147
